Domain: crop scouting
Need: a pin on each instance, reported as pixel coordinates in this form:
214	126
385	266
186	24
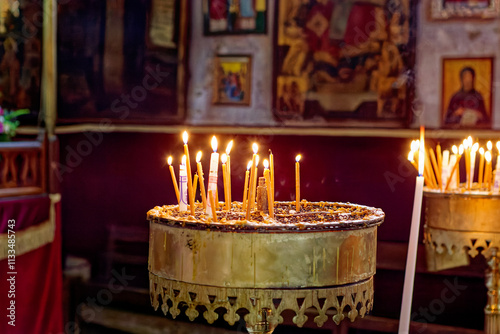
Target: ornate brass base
262	325
492	309
463	225
349	301
264	269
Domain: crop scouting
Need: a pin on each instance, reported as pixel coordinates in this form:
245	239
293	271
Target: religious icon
232	80
460	9
343	60
234	16
20	58
467	85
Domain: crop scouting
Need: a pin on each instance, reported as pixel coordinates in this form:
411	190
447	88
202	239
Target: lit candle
202	180
297	182
439	156
412	160
473	154
445	168
195	185
489	146
268	186
488	171
481	167
228	171
452	178
253	181
213	212
435	166
446	158
184	185
456	151
188	171
404	322
460	151
271	171
174	180
245	186
467	162
212	176
428	171
223	160
414	148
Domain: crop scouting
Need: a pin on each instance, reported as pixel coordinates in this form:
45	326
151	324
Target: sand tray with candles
321	258
312	216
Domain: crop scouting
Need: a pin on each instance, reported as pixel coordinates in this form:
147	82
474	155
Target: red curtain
38	278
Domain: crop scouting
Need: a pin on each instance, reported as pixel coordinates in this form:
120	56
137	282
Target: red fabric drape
38	282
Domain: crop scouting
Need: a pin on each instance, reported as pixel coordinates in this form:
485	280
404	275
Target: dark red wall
117	177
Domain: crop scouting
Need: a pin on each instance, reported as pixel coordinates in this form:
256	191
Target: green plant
9	123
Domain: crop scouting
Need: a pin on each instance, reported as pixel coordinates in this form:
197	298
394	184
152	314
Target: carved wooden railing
23	167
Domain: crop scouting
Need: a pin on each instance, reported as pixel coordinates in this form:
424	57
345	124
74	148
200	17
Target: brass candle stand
459	225
261	270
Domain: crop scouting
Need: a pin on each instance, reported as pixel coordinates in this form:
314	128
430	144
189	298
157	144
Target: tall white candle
183	186
453	182
445	173
212	176
411	260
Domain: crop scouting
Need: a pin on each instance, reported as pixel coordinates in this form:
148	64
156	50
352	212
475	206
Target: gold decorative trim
442	10
33	237
461	242
349	301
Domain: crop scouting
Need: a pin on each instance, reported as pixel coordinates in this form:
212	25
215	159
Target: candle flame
229	147
169	160
414	145
461	149
198	156
481	151
469	141
421	153
498	146
475	147
410	156
223	158
184	159
487	156
185	137
256	161
489	145
255	148
214	144
454	149
266	164
249	165
298	157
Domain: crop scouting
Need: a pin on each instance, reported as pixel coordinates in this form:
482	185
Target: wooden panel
22	168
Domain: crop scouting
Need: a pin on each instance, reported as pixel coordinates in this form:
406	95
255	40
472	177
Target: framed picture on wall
122	60
232	80
227	17
467	92
460	9
344	63
21	29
